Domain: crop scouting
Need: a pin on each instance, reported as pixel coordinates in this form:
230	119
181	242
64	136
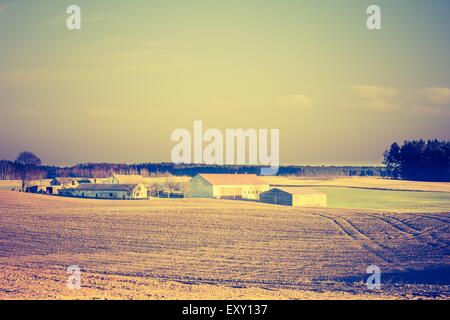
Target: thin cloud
438	95
374	92
86	19
431	110
4	7
124	40
114	40
296	101
153	43
376	97
433	101
24	78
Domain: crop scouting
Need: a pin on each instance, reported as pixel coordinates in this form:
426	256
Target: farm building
67	192
58	184
127	179
226	186
38	188
53	189
68	182
294	196
111	191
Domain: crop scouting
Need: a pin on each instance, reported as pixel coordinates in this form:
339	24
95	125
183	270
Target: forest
11	170
419	160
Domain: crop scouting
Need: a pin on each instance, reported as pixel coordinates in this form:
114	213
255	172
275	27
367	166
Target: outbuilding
38	188
111	191
294	196
53	189
68	182
226	186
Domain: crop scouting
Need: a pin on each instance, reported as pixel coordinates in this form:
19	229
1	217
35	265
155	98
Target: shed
38	188
67	192
53	189
226	186
68	182
111	191
294	196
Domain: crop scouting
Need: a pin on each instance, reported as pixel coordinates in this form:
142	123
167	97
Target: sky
115	90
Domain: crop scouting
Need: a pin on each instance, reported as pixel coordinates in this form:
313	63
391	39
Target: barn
53	189
111	191
226	186
68	182
38	188
127	179
294	196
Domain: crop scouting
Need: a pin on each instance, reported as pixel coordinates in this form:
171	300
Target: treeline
414	160
10	170
419	160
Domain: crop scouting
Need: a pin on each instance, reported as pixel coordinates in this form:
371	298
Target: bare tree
155	189
144	172
28	163
172	185
8	170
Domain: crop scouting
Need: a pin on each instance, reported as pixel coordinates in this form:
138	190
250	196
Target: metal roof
233	179
107	187
297	190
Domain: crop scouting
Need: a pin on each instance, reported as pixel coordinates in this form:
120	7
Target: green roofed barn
294	196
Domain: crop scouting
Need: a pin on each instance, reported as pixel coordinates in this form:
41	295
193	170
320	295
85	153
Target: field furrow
230	244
